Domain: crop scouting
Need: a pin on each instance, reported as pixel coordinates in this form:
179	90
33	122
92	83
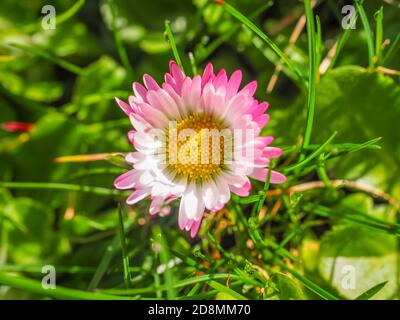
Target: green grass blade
262	198
215	44
61	186
370	144
342	40
367	28
321	171
337	148
201	296
61	18
318	43
178	284
249	24
36	287
312	76
165	258
246	200
312	156
353	216
172	43
392	49
193	63
36	51
195	289
355	210
96	171
125	258
104	265
38	269
156	277
65	16
222	288
256	236
371	292
101	270
307	283
186	259
118	41
379	34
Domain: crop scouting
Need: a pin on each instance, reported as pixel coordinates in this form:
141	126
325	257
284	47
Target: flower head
196	139
15	126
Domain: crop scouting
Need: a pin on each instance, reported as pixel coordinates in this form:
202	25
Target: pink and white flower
201	104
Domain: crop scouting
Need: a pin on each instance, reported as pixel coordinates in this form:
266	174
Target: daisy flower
197	140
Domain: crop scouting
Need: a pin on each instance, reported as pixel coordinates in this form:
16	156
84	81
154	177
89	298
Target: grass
249	24
379	34
172	43
392	49
312	156
367	28
60	186
371	292
118	41
106	251
50	57
163	250
125	258
312	76
309	284
68	14
354	216
216	43
57	293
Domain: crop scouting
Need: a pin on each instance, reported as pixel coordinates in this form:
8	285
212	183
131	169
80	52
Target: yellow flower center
195	147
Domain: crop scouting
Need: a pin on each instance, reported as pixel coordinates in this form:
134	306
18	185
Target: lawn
321	221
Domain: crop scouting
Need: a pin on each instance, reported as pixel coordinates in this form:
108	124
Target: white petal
139	123
146	178
160	189
137	195
192	203
235	180
210	194
224	192
133	157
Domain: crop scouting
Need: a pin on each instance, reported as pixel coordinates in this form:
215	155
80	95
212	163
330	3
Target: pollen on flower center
195	147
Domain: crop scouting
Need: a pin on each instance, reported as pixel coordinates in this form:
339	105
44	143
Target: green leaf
224	296
36	287
367	28
307	283
359	114
221	288
162	246
354	259
371	292
289	289
361	106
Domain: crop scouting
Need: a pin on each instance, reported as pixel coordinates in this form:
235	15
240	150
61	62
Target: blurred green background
63	81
